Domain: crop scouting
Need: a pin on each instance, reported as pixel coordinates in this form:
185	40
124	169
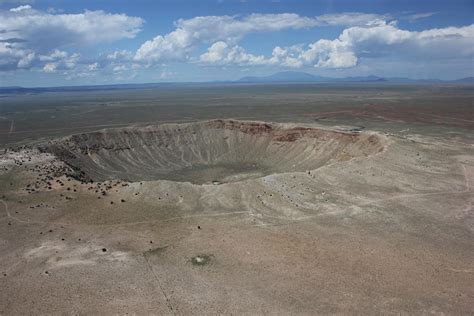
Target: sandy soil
384	231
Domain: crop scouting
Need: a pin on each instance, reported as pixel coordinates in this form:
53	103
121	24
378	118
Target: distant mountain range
279	77
296	76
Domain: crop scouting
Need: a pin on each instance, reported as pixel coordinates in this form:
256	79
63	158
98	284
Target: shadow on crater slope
206	152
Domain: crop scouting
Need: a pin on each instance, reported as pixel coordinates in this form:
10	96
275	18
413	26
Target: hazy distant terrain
37	115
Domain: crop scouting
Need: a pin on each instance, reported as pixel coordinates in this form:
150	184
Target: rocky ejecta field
228	216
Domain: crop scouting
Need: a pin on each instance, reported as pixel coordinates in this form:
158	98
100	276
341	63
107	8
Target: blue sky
46	43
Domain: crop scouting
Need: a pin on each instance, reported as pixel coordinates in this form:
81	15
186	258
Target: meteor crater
216	151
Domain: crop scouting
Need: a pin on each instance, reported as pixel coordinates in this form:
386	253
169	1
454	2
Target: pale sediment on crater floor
203	152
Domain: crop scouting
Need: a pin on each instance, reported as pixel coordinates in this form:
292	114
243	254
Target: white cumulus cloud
28	37
44	31
221	53
189	33
376	40
21	8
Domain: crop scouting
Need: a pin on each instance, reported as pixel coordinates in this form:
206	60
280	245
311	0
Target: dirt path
167	300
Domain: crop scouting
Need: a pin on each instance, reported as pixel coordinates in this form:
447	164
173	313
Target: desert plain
238	199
